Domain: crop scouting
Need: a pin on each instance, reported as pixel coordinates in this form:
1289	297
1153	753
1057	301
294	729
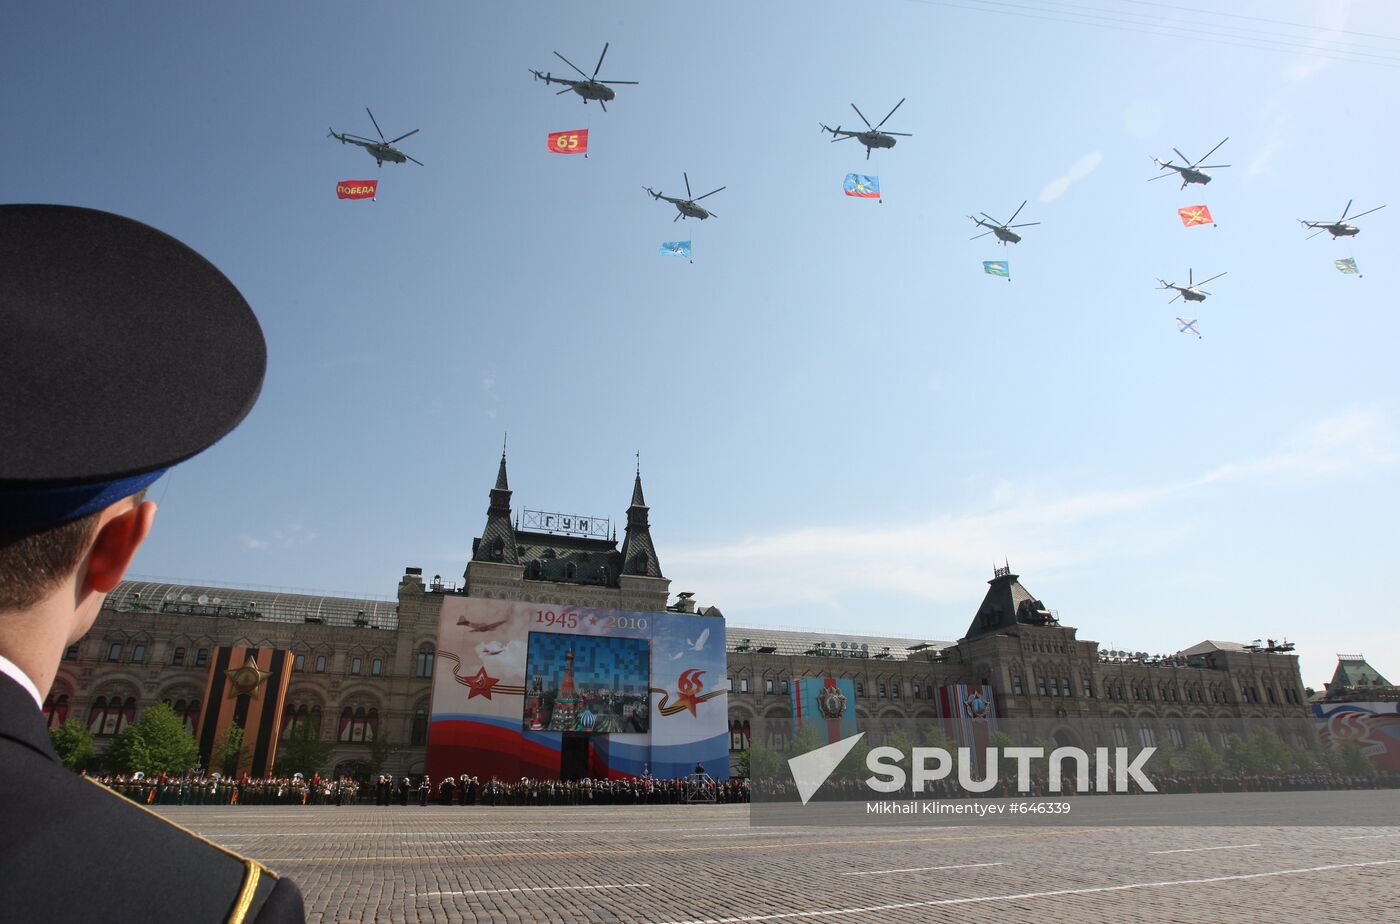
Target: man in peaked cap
108	334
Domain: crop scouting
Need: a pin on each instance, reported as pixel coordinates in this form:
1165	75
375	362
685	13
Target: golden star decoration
246	679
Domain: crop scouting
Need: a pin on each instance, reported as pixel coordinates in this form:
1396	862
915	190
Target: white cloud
931	560
288	537
1077	171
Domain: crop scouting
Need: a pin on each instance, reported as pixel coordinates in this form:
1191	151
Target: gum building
363	667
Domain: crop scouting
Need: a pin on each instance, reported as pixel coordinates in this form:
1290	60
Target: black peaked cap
122	351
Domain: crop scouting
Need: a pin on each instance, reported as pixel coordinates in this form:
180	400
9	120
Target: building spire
497	542
638	552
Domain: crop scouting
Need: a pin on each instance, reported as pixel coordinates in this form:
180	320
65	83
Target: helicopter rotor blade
900	134
687	184
1183	157
862	117
1367	212
620	82
708	194
571	64
563	91
600	61
1315	233
846	137
403	136
1026	224
376	124
1212	150
713	214
1211	279
991	219
1175	297
1160	176
1212	166
415	160
890	113
1017	212
1345	210
983	234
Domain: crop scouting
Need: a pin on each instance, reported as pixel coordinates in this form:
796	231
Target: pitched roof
803	642
1356	672
264	605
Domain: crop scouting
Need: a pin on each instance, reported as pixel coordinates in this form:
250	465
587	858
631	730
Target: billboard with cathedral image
587	683
549	691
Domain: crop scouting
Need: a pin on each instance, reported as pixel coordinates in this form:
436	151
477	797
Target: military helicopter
1002	229
380	150
1191	291
1340	227
1192	172
874	138
687	207
589	87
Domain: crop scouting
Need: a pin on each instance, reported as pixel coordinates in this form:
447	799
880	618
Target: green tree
1355	761
158	742
303	752
744	765
229	750
1203	756
73	744
379	747
764	763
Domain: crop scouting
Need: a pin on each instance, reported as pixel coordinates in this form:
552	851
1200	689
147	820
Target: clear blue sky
842	421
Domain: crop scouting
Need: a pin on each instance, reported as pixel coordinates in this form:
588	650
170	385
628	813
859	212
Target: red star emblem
479	684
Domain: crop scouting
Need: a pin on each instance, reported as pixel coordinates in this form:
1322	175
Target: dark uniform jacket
72	850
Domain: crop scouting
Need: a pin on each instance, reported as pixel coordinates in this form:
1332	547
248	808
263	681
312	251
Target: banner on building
1373	727
247	687
827	704
551	691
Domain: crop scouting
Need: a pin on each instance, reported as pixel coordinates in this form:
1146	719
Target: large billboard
547	691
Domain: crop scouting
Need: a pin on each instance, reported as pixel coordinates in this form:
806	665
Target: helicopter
590	88
1192	172
687	207
874	138
1191	291
380	150
1340	227
1002	229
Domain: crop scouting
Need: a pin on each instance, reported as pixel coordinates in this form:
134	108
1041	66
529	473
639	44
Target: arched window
423	665
347	720
371	724
109	716
56	710
419	732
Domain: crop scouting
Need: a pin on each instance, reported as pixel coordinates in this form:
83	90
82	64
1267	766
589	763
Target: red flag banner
574	142
356	189
1195	215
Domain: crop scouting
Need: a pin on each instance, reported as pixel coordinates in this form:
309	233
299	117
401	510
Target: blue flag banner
676	249
1188	326
1000	268
862	187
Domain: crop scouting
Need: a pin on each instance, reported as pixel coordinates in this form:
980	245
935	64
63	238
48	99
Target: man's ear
115	545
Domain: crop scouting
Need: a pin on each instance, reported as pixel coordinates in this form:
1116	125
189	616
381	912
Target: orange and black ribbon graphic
480	683
688	688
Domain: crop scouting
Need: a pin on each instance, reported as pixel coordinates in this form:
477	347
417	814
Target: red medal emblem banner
1195	215
356	189
574	142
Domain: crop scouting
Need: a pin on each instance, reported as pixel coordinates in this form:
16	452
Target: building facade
363	668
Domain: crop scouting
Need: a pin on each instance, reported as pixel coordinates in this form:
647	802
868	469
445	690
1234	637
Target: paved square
706	863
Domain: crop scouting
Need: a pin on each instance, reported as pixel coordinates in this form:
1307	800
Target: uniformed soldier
122	353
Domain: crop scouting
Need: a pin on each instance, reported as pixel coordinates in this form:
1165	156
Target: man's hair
33	562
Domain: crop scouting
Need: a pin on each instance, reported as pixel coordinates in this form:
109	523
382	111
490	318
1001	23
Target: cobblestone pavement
706	863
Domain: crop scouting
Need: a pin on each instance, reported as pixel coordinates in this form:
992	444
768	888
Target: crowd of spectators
214	789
